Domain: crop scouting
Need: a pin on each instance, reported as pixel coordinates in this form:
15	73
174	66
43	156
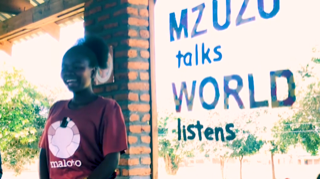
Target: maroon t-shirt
77	141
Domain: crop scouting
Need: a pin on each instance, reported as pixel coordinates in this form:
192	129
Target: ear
111	50
93	73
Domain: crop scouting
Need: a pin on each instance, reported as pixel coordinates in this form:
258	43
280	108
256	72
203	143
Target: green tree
243	120
303	125
275	146
218	149
248	145
23	112
298	124
171	149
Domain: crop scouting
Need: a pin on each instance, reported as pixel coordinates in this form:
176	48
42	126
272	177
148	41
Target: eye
79	68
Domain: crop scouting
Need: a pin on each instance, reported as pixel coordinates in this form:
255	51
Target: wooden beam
53	30
6	46
154	115
39	16
80	15
25	35
15	6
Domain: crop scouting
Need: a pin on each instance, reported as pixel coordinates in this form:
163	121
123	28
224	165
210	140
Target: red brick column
125	25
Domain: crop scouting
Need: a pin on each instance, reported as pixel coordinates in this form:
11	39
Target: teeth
71	80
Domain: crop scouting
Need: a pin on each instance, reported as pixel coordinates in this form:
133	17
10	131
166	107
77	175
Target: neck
83	96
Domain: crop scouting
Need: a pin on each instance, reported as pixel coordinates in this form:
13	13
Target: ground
252	171
207	170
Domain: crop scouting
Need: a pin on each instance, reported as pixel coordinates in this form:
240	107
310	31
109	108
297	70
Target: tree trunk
171	166
272	165
240	167
222	164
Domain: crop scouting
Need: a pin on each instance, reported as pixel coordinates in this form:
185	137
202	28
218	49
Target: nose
67	71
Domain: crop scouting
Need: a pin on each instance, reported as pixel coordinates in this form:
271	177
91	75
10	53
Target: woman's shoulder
59	103
107	100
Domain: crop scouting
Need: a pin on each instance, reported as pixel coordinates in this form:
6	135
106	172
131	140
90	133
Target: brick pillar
125	25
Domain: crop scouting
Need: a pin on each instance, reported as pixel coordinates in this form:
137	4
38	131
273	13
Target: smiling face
76	72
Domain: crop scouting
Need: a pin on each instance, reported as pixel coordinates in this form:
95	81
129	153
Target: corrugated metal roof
37	32
5	16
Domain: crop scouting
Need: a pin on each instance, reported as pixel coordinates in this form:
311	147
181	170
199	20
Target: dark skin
77	74
0	167
43	165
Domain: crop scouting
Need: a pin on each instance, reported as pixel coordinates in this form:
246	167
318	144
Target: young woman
84	136
0	167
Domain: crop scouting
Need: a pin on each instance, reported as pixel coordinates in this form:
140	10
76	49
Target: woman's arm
43	165
0	167
114	141
106	167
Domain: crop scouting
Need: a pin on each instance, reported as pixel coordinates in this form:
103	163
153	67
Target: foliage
249	133
303	127
246	146
243	120
171	149
274	143
246	120
281	142
22	118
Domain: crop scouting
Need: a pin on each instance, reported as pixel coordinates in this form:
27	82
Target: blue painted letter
183	25
275	10
194	32
240	20
253	102
214	82
233	92
291	88
189	99
216	25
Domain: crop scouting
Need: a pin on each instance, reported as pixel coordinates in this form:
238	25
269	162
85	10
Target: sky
40	57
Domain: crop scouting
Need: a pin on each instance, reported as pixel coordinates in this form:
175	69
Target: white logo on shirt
65	163
64	140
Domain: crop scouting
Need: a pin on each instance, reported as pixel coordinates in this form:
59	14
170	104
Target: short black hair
94	48
318	176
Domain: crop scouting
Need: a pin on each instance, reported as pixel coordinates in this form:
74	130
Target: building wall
125	25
